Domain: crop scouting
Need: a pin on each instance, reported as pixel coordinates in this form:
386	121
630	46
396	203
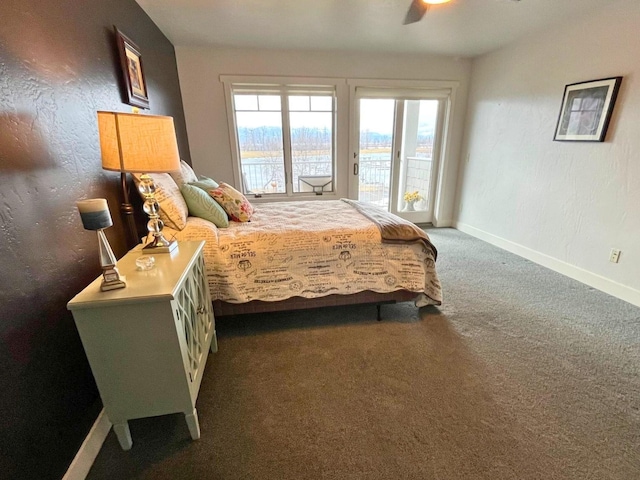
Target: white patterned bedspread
308	249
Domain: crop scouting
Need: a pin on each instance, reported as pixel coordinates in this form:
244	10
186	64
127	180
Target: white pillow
184	175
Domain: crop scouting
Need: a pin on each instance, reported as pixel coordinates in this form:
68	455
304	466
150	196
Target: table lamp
136	143
95	215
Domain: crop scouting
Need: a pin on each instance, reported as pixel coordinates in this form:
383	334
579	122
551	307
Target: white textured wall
203	95
564	204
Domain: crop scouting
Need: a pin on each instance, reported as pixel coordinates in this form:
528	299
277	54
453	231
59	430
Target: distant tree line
373	140
262	139
304	139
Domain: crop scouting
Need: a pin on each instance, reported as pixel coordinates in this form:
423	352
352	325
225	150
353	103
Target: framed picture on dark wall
586	110
132	71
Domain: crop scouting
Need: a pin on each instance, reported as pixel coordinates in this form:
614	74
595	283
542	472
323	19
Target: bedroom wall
58	66
562	204
205	110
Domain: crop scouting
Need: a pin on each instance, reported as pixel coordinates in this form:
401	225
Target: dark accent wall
58	66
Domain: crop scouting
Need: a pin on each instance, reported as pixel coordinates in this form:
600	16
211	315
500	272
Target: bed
307	254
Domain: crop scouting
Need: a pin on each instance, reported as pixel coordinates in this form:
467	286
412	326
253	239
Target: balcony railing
267	176
375	179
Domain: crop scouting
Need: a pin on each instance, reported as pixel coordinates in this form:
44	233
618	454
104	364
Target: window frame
285	86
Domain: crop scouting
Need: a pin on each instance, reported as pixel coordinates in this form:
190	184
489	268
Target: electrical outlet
614	256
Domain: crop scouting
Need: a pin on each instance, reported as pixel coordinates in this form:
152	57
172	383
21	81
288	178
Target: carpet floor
521	374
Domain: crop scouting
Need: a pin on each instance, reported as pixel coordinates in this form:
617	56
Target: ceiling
461	28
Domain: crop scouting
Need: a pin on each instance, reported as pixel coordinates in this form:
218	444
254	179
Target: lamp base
157	243
105	287
111	279
160	245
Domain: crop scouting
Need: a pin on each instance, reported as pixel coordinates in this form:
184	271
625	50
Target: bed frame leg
378	307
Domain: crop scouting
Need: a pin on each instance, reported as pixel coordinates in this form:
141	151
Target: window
293	137
285	138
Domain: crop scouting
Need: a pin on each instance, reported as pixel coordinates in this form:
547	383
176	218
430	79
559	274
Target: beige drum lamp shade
138	143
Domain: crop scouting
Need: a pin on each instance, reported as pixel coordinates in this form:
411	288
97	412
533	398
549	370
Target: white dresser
147	344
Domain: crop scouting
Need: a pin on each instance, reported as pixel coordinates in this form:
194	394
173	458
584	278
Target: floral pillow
233	202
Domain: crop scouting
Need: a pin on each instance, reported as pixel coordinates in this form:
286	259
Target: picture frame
586	110
136	92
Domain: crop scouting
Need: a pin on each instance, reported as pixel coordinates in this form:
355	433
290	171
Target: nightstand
147	344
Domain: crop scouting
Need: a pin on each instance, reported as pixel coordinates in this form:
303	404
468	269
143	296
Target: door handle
356	169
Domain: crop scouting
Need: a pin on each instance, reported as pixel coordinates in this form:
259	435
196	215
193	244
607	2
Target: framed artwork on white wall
586	110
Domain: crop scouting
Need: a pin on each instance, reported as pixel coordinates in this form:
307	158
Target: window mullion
286	139
334	139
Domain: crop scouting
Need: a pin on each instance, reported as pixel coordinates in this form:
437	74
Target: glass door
416	160
397	154
377	125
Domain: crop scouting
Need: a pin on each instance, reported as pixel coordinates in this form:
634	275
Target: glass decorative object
145	262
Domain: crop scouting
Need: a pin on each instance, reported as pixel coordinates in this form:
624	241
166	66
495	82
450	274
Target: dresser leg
214	343
193	424
123	434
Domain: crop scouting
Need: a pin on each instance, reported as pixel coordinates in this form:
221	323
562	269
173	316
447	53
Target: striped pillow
201	205
205	183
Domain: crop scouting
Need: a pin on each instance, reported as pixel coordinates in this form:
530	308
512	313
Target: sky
376	115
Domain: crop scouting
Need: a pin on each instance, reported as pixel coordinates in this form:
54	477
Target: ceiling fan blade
416	11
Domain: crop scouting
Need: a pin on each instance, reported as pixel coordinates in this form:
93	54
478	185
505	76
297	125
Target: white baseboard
599	282
81	464
443	223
